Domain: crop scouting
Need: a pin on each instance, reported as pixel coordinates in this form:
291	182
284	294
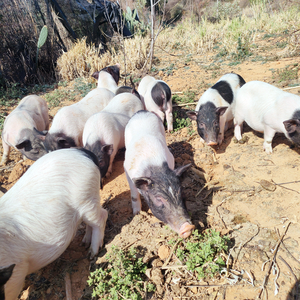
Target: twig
284	187
242	245
185	104
273	260
68	287
167	51
173	267
292	87
291	270
171	253
219	213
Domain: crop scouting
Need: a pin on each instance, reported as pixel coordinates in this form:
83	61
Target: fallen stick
273	261
68	287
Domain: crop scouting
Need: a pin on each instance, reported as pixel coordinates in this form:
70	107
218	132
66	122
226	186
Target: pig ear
192	115
291	125
142	183
221	110
95	75
182	169
108	149
63	142
22	144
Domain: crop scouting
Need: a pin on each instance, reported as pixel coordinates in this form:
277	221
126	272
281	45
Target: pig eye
201	125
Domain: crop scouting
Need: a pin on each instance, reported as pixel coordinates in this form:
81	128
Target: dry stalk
273	261
219	213
171	253
284	186
68	287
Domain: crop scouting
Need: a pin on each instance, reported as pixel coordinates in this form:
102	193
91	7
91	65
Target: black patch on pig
89	154
31	145
57	141
114	71
292	127
158	186
103	153
241	80
225	90
5	274
128	89
208	121
161	94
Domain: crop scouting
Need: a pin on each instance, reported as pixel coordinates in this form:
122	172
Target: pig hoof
235	140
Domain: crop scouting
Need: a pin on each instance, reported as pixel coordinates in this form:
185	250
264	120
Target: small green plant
180	123
123	277
201	253
11	95
2	119
187	97
243	49
289	72
82	87
57	96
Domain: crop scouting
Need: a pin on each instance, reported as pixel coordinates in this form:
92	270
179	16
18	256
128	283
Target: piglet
103	132
5	274
266	108
19	128
68	124
40	214
213	111
108	77
157	97
149	168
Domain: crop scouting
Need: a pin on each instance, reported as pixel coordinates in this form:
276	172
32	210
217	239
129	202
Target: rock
163	252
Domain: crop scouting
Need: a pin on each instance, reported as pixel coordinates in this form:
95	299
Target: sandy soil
247	194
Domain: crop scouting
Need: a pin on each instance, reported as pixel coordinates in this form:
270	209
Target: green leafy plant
201	253
123	277
180	123
82	87
187	97
41	41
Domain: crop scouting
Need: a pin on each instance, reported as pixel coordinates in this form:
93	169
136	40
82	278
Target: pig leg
6	150
268	137
15	284
238	127
111	159
135	196
169	116
96	219
87	237
222	129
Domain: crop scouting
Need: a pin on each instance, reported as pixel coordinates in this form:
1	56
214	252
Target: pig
149	168
68	124
157	97
268	109
213	111
5	274
108	77
19	130
103	132
40	214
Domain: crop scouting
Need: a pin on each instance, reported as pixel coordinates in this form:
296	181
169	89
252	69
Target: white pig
18	129
157	97
103	133
213	112
108	77
68	124
149	167
40	214
266	108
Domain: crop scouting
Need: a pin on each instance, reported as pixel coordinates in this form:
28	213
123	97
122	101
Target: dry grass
82	60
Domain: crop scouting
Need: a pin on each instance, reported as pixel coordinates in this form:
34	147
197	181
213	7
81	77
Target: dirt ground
247	194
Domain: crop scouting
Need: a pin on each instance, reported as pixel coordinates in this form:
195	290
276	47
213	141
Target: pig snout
186	230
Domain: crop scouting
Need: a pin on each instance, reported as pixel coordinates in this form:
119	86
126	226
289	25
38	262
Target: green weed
187	97
288	73
123	276
82	87
179	123
2	119
57	96
201	253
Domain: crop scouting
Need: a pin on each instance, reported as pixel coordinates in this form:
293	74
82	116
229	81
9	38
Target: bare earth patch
245	193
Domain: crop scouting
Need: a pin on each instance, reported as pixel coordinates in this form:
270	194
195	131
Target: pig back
39	215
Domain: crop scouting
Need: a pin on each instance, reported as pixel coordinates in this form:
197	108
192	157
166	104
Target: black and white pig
268	109
40	214
68	123
5	274
103	132
19	128
157	97
108	77
213	111
149	168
